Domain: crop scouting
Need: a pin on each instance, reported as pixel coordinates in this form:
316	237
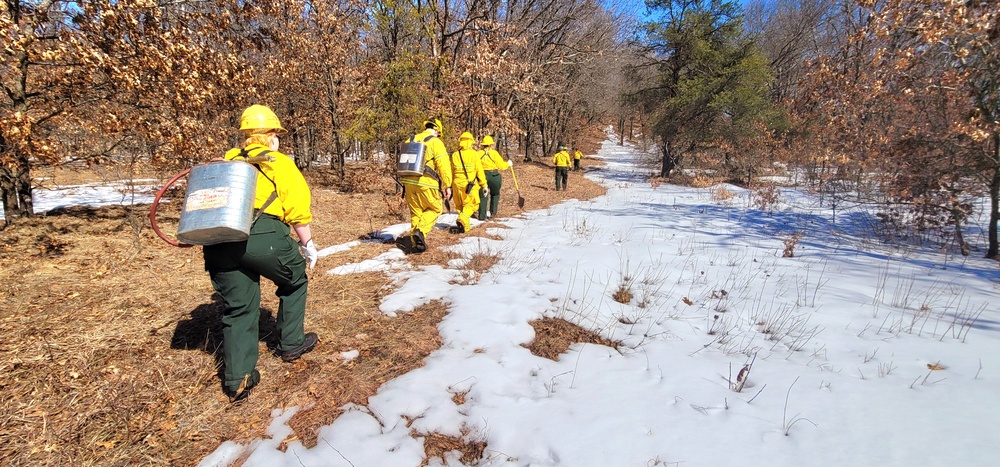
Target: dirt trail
109	337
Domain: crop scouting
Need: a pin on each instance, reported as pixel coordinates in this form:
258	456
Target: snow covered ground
91	194
858	353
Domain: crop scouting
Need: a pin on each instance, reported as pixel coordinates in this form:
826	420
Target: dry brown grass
470	445
476	265
553	336
622	295
78	174
109	337
721	194
696	181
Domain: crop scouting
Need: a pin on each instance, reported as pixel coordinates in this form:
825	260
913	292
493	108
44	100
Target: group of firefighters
561	161
468	176
282	201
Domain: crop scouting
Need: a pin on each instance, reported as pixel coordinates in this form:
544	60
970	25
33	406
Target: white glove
510	162
309	253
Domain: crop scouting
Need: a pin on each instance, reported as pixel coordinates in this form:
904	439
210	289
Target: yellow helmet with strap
435	124
259	117
466	140
487	140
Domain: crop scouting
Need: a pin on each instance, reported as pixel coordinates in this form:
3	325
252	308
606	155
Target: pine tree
708	83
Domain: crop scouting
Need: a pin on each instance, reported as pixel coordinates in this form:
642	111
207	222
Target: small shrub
366	177
790	243
458	397
721	194
396	207
623	294
766	197
701	181
481	262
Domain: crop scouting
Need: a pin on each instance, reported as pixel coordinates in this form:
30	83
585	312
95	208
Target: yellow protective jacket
435	157
561	159
578	155
281	176
492	160
467	168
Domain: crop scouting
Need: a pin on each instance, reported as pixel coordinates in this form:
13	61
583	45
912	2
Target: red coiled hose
156	202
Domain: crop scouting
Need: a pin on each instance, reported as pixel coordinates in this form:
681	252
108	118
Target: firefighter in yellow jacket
467	179
562	161
423	194
577	155
283	202
493	164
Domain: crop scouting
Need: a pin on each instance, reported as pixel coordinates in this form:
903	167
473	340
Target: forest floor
110	338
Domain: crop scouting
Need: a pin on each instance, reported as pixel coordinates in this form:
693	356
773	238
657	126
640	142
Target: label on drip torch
208	198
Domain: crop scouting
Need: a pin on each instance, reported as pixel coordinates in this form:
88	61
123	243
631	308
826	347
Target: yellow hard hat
434	123
259	117
466	140
487	140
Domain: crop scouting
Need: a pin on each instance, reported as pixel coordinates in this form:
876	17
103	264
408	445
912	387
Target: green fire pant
562	178
236	269
491	191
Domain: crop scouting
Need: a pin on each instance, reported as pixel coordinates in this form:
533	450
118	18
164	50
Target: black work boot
249	382
307	345
419	245
405	243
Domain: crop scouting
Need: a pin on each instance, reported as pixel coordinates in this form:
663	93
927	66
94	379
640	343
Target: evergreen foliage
708	89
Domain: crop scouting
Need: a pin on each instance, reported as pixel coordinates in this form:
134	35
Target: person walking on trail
493	163
467	178
562	162
282	201
423	194
577	155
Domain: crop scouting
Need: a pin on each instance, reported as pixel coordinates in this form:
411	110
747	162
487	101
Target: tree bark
993	251
669	159
958	215
15	188
527	144
621	129
9	193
